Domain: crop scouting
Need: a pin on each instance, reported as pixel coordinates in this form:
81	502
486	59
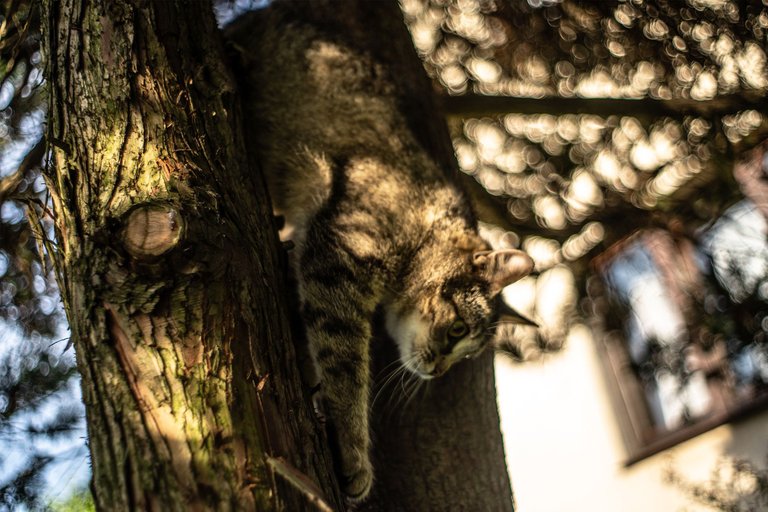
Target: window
684	320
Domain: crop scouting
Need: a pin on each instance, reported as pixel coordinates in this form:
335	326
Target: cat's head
451	315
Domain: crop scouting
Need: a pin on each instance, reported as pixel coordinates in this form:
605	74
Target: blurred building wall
565	451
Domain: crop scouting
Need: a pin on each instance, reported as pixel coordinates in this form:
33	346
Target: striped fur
375	222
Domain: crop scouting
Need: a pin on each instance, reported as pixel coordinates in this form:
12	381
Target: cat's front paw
358	480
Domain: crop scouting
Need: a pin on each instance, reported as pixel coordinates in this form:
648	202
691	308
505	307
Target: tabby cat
375	222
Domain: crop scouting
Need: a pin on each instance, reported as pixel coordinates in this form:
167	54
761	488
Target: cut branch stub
152	230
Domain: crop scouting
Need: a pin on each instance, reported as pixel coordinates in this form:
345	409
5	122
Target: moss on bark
179	333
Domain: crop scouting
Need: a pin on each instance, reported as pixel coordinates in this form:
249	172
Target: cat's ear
503	267
508	315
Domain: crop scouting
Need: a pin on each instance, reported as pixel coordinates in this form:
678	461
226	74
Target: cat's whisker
390	378
412	383
414	390
399	395
402	385
400	372
502	322
391	375
388	407
491	329
402	365
387	367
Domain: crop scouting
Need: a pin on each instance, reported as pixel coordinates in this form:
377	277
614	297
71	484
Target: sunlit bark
169	269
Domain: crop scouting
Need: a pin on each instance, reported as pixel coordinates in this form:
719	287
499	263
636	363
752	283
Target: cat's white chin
408	331
420	369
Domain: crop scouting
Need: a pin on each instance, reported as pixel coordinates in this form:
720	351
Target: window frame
642	437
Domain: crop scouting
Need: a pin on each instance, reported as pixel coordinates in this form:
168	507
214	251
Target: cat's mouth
425	367
424	375
411	333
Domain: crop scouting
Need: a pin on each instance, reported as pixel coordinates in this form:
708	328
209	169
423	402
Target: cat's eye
457	330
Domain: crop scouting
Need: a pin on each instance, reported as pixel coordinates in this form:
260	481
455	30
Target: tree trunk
169	269
439	448
171	278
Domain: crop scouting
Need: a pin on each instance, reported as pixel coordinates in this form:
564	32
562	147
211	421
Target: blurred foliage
42	421
665	49
21	72
28	293
681	86
559	171
734	486
42	426
82	502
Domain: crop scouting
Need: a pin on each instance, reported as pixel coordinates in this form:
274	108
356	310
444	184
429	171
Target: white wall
564	449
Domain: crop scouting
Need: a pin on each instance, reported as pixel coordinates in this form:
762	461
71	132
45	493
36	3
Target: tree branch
299	481
10	183
644	109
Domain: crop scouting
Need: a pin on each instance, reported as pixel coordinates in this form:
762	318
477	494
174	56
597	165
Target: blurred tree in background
577	124
734	486
585	121
42	428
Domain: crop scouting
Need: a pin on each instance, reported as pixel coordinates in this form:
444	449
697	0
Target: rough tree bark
168	267
171	278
